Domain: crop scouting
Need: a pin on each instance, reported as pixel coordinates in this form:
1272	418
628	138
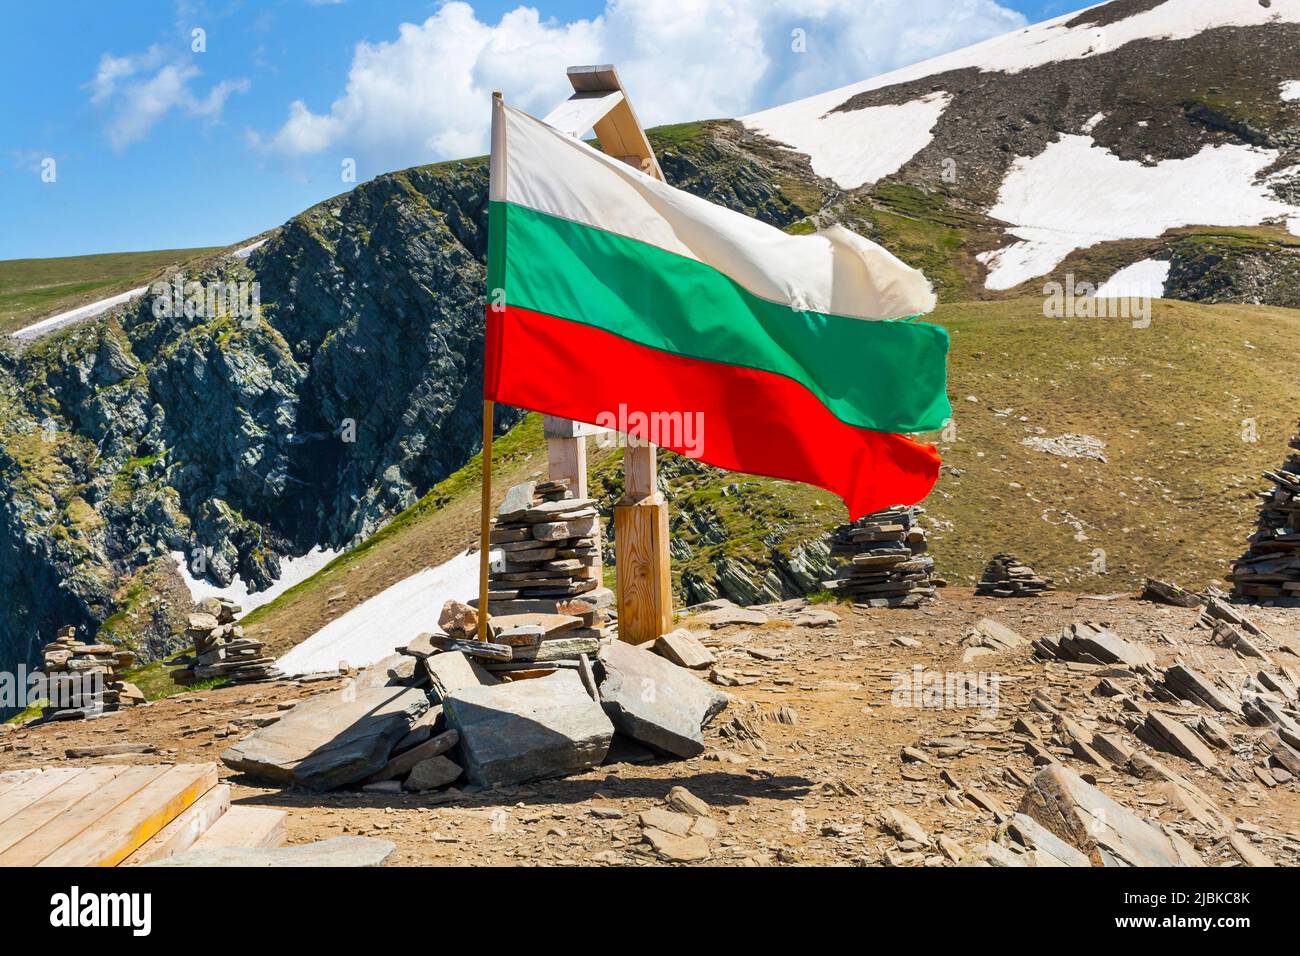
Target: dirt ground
805	792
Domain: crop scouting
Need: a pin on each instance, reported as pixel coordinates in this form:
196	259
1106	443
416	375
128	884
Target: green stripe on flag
889	376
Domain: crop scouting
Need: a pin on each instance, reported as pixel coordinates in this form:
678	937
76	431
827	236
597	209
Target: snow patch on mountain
1291	91
1052	41
1076	194
292	571
79	314
245	251
391	619
856	147
1144	278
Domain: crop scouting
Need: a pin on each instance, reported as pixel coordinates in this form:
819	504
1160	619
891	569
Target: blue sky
156	144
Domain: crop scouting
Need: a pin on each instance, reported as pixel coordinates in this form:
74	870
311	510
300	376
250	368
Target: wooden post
645	596
645	600
566	459
566	452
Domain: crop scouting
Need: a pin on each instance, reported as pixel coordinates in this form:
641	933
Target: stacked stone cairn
1269	571
1005	576
221	649
82	678
526	644
550	547
887	561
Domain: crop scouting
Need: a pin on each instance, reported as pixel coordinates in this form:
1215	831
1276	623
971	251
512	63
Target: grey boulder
331	740
528	729
654	701
1091	822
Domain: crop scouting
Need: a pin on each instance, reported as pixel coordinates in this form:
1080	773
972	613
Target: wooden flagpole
485	522
485	501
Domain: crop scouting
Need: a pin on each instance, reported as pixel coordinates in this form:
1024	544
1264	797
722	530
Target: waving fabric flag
608	290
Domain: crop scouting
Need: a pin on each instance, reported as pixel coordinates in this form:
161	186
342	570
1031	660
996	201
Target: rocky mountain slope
1122	124
239	440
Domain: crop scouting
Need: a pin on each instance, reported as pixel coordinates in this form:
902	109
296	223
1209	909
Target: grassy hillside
33	288
1173	498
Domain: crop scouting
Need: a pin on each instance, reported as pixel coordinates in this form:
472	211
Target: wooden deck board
43	812
188	827
247	827
117	835
79	817
32	789
12	778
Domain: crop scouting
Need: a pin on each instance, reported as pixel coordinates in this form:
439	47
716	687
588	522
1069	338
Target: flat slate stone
393	671
726	616
451	671
1091	822
518	500
403	763
550	624
1087	640
339	851
654	701
567	646
684	649
815	617
432	773
421	647
1172	736
528	729
1047	848
331	740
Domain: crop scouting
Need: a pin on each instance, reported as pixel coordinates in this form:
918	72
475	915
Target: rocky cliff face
234	438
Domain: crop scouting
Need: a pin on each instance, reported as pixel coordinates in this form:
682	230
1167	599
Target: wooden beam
645	604
248	827
619	131
181	833
579	112
70	824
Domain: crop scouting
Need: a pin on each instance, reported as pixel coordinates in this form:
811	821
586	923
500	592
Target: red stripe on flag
753	421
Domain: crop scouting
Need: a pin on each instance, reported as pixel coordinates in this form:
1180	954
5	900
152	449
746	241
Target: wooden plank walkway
247	827
93	816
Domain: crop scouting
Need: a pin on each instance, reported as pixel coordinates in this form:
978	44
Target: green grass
677	136
31	713
33	288
155	681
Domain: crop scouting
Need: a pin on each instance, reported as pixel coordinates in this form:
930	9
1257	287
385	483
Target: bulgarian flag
609	289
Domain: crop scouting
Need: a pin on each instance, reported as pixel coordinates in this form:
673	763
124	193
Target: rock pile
1269	571
81	679
221	650
1005	576
454	717
1088	643
525	642
550	545
888	565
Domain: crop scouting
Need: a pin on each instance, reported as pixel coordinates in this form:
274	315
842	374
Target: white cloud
423	96
138	90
